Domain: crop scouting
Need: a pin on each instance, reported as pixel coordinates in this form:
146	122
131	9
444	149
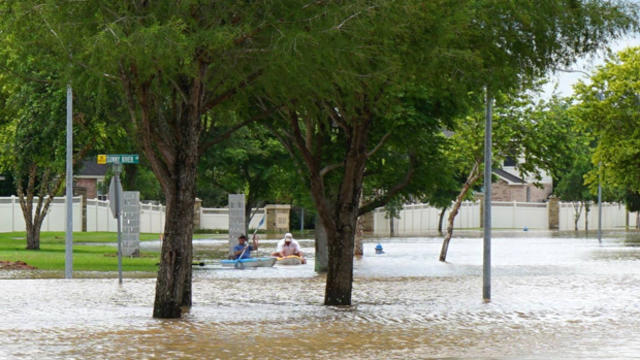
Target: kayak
250	262
289	260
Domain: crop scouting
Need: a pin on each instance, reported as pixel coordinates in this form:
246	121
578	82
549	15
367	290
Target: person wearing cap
287	247
243	250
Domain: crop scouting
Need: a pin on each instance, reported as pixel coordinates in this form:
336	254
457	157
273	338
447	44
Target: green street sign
118	159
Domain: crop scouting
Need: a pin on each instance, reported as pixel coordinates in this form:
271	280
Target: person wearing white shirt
287	247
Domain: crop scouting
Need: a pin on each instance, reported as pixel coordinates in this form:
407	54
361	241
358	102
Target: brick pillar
480	198
554	213
197	206
277	218
82	191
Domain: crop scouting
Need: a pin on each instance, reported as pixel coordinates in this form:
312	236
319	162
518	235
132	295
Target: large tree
334	127
33	128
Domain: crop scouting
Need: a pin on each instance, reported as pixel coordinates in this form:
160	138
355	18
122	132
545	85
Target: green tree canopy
609	107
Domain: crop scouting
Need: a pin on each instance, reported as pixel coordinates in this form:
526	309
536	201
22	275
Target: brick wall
502	191
90	185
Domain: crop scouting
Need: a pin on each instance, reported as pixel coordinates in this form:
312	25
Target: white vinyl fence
518	215
99	217
11	218
614	215
416	219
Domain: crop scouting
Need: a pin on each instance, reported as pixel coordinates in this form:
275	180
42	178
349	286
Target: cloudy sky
564	81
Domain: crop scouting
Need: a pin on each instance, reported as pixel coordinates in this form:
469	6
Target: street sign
118	159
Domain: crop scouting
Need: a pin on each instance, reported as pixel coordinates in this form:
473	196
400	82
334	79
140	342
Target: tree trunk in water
322	249
173	286
471	179
341	237
441	219
340	272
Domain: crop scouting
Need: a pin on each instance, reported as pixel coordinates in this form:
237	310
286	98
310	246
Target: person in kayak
287	247
243	249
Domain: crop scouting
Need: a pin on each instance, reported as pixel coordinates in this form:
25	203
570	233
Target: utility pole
68	243
486	259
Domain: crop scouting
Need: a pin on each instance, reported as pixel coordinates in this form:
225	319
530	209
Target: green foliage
415	143
610	108
514	134
572	186
552	138
252	162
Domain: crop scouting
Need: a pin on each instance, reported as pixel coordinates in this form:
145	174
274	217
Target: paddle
239	264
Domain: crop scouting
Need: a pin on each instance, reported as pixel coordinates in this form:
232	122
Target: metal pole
601	98
599	204
68	244
116	169
486	264
301	219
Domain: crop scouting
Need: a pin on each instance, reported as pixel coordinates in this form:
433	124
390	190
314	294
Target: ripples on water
552	298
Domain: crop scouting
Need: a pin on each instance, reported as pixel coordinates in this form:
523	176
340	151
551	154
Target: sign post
115	202
116	193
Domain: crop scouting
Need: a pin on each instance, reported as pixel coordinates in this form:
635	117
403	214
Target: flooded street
552	297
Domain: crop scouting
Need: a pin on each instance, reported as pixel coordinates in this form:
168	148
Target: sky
565	80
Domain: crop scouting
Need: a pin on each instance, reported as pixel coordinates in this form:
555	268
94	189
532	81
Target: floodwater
553	297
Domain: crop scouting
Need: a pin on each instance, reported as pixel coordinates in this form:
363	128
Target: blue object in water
379	249
249	262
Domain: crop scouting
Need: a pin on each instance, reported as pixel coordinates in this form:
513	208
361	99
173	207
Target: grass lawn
85	257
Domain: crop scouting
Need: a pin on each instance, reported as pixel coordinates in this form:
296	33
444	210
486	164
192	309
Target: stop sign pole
115	193
115	189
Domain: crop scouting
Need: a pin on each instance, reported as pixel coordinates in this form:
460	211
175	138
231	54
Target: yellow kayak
289	260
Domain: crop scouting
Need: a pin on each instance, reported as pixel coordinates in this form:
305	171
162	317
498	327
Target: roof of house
90	167
509	177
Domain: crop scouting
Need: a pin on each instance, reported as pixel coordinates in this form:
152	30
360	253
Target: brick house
89	177
511	187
